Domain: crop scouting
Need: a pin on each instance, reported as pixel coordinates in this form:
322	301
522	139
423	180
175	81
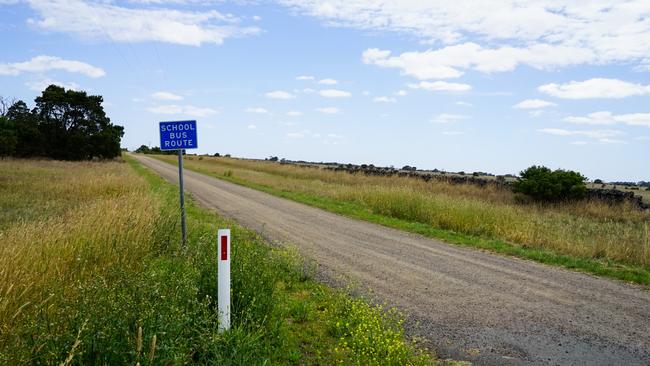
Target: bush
543	184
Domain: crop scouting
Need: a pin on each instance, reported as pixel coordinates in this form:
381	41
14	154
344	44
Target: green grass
313	187
98	277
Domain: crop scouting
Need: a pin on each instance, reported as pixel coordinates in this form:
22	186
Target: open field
612	240
91	273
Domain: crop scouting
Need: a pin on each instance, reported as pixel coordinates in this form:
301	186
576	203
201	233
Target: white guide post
223	275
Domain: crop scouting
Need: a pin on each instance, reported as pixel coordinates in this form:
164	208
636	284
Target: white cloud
185	110
579	143
161	95
642	138
612	141
533	104
334	93
308	90
257	110
101	20
453	133
446	118
304	77
40	85
608	118
40	64
595	134
464	104
328	82
313	135
328	110
366	93
294	113
401	93
536	113
295	135
451	61
442	86
279	94
252	127
555	32
595	88
384	100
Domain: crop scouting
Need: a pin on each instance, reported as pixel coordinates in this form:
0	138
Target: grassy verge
595	238
91	273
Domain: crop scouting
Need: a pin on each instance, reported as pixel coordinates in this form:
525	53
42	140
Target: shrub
543	184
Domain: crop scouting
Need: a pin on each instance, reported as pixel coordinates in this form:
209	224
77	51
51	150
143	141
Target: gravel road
471	305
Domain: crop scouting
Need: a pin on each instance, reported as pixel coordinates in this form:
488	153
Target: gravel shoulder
471	305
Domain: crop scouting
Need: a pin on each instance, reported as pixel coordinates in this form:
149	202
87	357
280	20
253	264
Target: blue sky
465	85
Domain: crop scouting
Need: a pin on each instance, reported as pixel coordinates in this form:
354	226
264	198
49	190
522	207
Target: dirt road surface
472	305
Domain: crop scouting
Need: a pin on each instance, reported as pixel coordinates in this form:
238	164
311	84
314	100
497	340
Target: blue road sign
176	135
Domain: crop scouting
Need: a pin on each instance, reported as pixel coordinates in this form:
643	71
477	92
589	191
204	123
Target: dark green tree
76	125
29	139
143	149
8	139
543	184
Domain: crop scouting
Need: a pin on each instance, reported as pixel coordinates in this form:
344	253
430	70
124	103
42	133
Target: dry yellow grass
590	229
58	218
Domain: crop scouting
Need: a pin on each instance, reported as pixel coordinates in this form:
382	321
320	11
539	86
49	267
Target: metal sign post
182	195
179	135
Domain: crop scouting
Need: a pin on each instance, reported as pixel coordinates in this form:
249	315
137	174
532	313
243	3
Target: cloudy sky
463	85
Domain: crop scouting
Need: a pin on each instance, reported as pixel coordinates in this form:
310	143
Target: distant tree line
64	124
144	149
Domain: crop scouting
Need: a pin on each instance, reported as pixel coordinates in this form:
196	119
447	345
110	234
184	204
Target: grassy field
609	240
91	273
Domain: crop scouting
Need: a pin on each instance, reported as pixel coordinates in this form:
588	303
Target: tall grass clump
612	234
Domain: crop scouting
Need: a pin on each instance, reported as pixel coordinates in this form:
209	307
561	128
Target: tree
8	139
543	184
76	125
29	138
143	149
5	103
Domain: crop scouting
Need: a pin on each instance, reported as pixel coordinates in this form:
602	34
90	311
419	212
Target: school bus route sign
177	135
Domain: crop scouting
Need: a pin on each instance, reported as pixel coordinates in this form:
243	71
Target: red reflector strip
224	248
